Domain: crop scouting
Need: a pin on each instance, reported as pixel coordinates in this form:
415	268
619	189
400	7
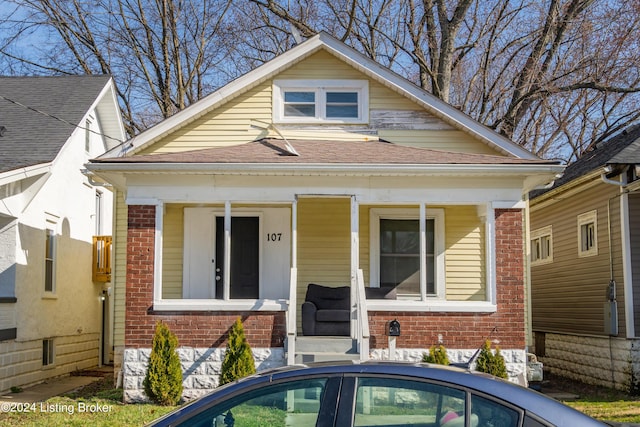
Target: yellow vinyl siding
568	294
465	254
235	121
119	260
444	140
172	251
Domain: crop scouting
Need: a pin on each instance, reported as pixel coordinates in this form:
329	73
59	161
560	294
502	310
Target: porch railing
101	258
291	317
362	323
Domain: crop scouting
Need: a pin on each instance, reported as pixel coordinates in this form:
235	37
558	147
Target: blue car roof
530	400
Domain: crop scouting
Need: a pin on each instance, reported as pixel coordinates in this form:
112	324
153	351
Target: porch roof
317	152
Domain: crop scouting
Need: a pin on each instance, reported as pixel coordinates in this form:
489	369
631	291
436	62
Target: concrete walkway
57	386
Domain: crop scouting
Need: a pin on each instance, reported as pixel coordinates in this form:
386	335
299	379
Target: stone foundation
601	361
200	368
515	360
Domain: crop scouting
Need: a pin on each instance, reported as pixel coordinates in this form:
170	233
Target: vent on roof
3	129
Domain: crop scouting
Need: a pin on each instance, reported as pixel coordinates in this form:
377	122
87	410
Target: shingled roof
34	137
270	150
623	148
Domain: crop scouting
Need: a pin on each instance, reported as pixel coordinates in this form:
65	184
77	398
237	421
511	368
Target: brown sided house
585	265
318	198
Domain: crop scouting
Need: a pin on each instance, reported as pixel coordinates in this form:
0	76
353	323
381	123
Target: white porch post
490	231
355	263
157	256
423	252
226	292
292	310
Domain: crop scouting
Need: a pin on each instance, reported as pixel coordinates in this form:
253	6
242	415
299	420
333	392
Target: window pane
342	97
292	404
49	260
385	401
300	97
489	412
293	110
400	255
347	111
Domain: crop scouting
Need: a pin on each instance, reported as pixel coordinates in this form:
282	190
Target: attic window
320	101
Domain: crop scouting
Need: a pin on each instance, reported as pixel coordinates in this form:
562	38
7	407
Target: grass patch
598	402
97	404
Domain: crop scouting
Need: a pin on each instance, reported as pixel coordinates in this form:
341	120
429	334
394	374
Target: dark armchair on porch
326	310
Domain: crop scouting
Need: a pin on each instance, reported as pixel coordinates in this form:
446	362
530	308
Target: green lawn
100	405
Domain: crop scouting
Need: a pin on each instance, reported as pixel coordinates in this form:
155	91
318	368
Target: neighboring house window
588	234
542	246
87	136
313	101
50	258
98	217
396	252
48	352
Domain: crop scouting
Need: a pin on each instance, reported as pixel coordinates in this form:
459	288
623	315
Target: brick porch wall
268	329
467	330
193	329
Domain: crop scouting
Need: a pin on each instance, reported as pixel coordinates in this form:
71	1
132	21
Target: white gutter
421	169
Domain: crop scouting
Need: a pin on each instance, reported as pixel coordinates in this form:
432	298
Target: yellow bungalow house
319	167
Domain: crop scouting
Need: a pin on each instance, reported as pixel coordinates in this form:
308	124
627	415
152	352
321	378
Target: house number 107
274	237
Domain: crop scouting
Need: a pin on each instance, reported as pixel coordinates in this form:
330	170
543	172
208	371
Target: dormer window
320	101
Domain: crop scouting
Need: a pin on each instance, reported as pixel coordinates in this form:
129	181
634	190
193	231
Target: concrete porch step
324	349
326	344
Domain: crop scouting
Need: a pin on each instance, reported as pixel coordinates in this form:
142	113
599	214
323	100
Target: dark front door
245	260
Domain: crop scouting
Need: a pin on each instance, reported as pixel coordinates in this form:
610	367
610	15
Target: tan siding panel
465	254
324	255
173	252
634	240
120	266
444	140
568	294
231	123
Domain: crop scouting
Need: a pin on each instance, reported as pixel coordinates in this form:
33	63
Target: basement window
48	352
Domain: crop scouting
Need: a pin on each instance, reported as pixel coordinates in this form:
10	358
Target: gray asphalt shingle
31	137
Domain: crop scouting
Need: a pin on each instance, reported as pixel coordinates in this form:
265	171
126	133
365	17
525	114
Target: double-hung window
320	101
541	246
588	234
396	252
50	259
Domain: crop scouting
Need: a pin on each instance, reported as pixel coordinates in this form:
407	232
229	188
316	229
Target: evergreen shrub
238	359
437	354
491	362
163	381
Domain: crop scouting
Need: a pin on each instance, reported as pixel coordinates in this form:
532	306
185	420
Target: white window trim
320	87
537	234
160	304
51	223
220	212
52	352
375	216
586	218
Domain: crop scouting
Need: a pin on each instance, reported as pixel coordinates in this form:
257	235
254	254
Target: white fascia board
24	173
305	169
108	112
